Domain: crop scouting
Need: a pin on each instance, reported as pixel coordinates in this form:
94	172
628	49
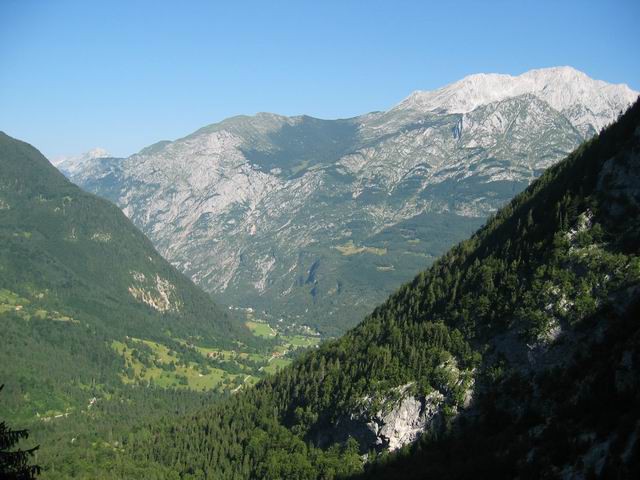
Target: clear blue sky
124	74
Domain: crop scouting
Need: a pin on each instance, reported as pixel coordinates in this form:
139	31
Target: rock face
406	421
317	220
397	418
588	104
159	294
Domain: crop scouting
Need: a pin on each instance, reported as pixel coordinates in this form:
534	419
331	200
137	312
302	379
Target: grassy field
260	329
350	248
240	358
276	364
192	375
11	301
300	341
211	368
149	361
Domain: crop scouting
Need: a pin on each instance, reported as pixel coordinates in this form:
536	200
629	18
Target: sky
77	74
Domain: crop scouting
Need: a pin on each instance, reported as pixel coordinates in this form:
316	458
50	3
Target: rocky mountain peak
71	164
589	104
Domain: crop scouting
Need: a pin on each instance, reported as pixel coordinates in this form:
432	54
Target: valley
501	349
181	364
318	221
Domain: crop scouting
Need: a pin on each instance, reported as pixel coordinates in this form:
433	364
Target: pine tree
15	464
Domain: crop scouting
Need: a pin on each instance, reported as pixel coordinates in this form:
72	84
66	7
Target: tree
14	464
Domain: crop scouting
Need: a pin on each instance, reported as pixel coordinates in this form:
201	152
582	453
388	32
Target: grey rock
401	420
409	418
323	219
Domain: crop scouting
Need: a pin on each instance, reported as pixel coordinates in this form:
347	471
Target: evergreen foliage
15	463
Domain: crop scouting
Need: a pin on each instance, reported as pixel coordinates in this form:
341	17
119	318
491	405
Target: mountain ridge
229	203
564	88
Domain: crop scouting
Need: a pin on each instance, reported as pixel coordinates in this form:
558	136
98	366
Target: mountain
515	355
590	105
69	165
317	221
86	300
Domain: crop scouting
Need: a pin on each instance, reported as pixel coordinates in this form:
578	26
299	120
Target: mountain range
317	221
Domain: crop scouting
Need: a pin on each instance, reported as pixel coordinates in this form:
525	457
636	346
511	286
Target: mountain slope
86	243
278	213
507	345
77	276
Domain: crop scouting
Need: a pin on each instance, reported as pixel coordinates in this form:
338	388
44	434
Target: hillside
318	221
88	306
58	238
519	345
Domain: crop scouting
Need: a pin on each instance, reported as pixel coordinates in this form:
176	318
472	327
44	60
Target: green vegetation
350	248
78	279
162	367
563	254
300	341
260	329
15	463
347	277
322	254
276	364
559	267
10	301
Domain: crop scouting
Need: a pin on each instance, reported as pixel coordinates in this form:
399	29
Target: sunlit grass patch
260	329
276	364
350	248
